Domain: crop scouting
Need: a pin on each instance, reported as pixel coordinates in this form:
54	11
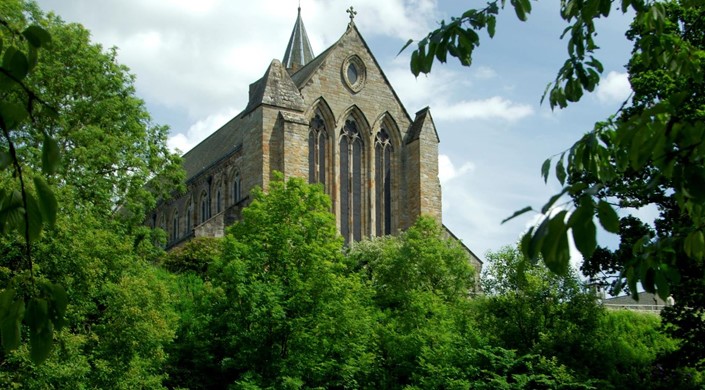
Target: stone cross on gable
352	13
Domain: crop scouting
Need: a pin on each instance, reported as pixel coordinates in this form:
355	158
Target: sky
194	61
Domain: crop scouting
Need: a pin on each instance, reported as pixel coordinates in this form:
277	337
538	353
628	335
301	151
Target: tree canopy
75	138
651	137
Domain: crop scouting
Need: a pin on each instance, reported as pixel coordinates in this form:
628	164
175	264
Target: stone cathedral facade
333	119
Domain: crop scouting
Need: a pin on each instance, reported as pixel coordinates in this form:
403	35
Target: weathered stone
273	134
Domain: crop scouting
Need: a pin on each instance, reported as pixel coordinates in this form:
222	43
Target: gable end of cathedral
333	119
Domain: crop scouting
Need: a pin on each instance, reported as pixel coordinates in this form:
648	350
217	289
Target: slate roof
298	51
218	146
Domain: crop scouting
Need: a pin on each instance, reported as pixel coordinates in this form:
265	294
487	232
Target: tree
655	141
422	282
281	309
532	310
70	100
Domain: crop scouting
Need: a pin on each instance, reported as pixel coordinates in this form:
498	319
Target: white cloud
199	131
447	171
439	88
485	73
614	88
495	107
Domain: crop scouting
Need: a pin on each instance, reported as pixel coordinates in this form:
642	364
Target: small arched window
219	199
189	213
175	226
205	212
236	188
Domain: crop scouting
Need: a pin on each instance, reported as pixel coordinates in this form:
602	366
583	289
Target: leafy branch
40	304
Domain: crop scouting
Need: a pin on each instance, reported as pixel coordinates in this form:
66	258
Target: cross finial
352	13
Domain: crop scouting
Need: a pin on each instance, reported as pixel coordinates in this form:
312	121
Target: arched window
219	199
236	188
205	209
175	226
351	181
189	213
317	137
383	183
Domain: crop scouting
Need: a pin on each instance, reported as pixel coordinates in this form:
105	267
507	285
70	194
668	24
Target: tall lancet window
383	183
317	137
351	181
175	226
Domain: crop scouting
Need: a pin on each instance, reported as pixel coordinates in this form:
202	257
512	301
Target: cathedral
334	119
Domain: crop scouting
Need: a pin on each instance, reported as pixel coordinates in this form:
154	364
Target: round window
353	73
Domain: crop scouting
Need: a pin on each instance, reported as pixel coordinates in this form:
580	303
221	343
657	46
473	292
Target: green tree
282	309
72	100
422	282
532	310
655	141
119	318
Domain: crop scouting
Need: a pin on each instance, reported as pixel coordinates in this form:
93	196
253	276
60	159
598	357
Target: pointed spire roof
298	51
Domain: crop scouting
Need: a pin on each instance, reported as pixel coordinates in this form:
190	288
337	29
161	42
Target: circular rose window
353	73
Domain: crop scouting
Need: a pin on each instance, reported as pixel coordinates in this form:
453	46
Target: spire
298	51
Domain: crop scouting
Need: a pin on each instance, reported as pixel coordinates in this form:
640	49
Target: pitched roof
423	118
298	51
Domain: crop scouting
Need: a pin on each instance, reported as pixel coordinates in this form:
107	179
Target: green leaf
36	36
663	288
560	171
608	217
35	219
5	160
12	114
50	155
15	62
10	325
491	25
694	245
40	329
583	228
544	169
58	303
47	201
535	245
519	9
555	250
553	200
518	213
409	42
12	213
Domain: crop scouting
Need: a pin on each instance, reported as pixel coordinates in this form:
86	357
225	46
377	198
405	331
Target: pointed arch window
236	188
383	183
317	137
189	213
219	199
351	181
175	226
205	210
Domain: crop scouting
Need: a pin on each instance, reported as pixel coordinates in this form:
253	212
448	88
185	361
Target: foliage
656	139
72	100
281	310
119	317
26	208
532	310
193	256
421	282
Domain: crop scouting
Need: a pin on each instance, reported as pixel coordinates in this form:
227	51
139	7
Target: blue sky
194	61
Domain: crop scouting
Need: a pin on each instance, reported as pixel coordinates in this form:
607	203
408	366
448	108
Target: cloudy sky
194	61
